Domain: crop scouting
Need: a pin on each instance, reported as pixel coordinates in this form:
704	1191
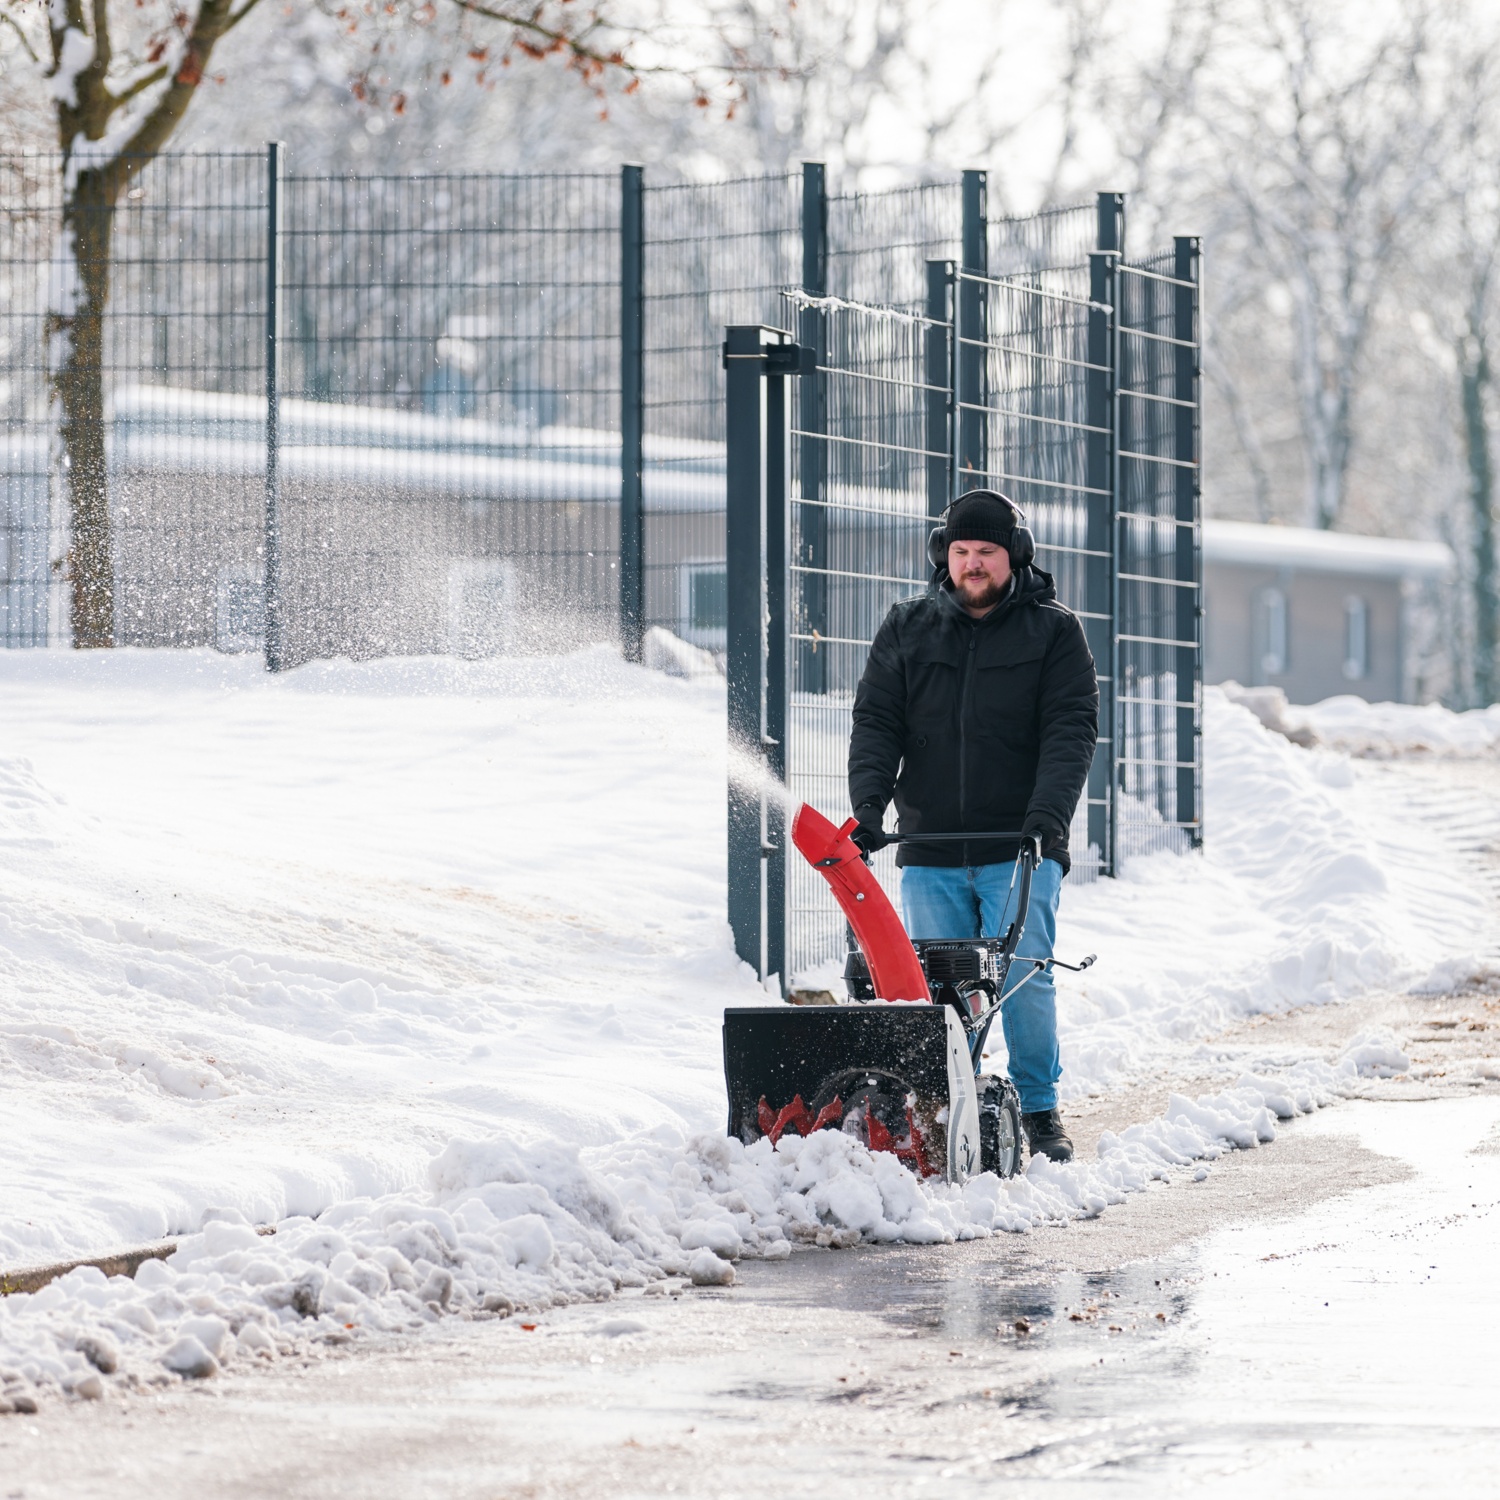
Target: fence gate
1071	387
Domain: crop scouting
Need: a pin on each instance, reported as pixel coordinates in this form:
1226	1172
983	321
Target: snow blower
901	1077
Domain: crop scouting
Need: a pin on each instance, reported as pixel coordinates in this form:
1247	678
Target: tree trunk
1474	363
77	335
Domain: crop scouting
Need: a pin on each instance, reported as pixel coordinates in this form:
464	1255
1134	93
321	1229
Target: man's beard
980	593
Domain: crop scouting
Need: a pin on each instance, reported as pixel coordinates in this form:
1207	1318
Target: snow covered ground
435	952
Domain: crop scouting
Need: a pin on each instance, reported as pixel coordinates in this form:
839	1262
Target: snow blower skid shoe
901	1078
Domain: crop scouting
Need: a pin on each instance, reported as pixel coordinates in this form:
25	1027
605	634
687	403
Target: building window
1356	638
703	604
1270	632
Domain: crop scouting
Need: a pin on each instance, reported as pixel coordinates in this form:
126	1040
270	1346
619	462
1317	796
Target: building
1315	613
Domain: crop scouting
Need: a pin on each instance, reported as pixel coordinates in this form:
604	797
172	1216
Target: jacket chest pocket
931	699
1004	697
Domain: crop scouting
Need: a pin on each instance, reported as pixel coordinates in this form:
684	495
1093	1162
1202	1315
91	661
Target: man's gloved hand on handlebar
871	834
1044	830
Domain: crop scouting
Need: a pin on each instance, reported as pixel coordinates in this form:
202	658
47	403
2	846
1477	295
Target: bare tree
1461	282
809	74
1330	147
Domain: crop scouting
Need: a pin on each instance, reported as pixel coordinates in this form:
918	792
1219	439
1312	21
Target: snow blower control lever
901	1078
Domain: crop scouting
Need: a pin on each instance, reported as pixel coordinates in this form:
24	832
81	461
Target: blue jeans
971	902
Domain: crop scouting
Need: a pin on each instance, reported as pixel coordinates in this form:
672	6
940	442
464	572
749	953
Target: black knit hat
981	516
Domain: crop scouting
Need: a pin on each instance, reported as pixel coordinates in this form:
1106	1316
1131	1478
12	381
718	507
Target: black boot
1046	1136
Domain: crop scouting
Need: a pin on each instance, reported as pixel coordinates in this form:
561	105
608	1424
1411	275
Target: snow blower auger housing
902	1078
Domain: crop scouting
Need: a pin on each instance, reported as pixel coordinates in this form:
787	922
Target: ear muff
937	548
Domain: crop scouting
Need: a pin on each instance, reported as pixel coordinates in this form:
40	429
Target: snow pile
275	950
1384	731
504	1229
1310	888
267	944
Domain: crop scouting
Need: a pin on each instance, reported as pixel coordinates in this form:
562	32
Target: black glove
1044	830
871	834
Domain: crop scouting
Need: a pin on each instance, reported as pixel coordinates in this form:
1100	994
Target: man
978	709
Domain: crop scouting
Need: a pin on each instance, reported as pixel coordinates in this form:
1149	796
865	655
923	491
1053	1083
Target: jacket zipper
963	731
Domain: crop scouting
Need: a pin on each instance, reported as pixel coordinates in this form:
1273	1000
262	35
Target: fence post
937	374
778	557
812	418
271	574
1110	208
973	307
632	408
1100	478
1187	267
757	505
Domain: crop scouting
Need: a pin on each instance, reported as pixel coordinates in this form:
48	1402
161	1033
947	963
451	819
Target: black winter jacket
977	724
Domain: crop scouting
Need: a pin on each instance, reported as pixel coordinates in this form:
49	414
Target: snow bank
502	1230
1311	887
1383	731
431	943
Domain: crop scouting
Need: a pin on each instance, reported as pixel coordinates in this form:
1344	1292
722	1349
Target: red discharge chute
895	971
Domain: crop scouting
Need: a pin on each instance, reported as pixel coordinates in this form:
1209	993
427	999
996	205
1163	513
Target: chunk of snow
706	1269
188	1358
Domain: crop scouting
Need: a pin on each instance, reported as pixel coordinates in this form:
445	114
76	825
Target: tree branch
15	26
240	14
139	86
557	37
215	18
103	44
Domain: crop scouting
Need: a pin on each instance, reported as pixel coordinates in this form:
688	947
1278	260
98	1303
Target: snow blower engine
902	1078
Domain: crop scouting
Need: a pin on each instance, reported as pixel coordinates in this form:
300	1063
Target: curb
116	1263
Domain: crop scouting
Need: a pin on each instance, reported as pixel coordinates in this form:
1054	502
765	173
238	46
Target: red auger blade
830	1114
796	1113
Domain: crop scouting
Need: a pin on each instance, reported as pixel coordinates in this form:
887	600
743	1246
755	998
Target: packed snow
420	964
1381	731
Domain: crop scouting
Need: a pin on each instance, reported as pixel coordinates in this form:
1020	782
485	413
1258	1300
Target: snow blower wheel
1000	1139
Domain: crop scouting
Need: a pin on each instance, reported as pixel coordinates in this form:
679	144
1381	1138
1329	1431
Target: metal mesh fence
454	411
877	242
1056	239
450	413
1158	618
715	254
1023	371
29	194
858	543
1074	389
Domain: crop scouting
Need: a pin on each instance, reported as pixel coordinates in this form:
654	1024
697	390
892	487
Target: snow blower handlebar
1030	842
